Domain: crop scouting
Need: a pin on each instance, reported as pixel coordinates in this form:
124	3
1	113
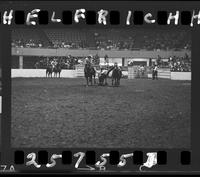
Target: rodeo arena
122	88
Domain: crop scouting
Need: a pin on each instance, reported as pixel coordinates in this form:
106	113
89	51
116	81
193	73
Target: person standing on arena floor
102	76
142	71
155	72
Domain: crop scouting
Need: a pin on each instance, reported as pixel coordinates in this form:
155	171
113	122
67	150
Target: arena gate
164	73
134	72
80	70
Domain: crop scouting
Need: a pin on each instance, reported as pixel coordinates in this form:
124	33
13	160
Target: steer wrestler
102	77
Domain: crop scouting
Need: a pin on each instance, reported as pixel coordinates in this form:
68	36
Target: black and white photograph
100	88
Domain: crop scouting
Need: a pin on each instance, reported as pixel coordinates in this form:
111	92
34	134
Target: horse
116	76
89	73
57	70
49	70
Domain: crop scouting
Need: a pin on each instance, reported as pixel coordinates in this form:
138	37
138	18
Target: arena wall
28	73
181	76
186	76
101	53
162	73
39	73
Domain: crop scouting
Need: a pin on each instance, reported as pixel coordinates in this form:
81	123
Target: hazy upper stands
30	38
106	39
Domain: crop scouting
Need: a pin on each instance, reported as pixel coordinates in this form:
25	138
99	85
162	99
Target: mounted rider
116	67
89	71
54	62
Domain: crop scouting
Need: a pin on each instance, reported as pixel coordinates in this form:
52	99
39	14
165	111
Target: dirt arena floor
141	113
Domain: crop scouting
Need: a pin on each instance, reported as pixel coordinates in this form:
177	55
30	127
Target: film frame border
7	99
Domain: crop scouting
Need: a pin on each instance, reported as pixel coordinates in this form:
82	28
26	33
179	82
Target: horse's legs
91	81
100	80
94	80
115	81
86	81
106	81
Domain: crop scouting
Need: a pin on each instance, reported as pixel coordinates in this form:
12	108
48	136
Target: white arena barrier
124	73
40	73
132	72
181	76
162	73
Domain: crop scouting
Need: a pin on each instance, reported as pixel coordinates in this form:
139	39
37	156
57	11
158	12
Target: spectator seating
106	39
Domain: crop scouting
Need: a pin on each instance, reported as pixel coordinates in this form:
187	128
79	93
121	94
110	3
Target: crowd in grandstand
175	63
148	41
28	43
69	45
180	64
68	62
108	40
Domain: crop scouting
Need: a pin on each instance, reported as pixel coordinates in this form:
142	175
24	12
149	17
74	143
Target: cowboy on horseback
54	63
89	72
116	75
56	68
49	70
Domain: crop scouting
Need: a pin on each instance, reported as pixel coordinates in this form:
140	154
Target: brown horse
89	73
49	70
57	70
116	76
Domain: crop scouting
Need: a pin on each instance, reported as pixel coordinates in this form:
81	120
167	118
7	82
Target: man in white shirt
155	72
